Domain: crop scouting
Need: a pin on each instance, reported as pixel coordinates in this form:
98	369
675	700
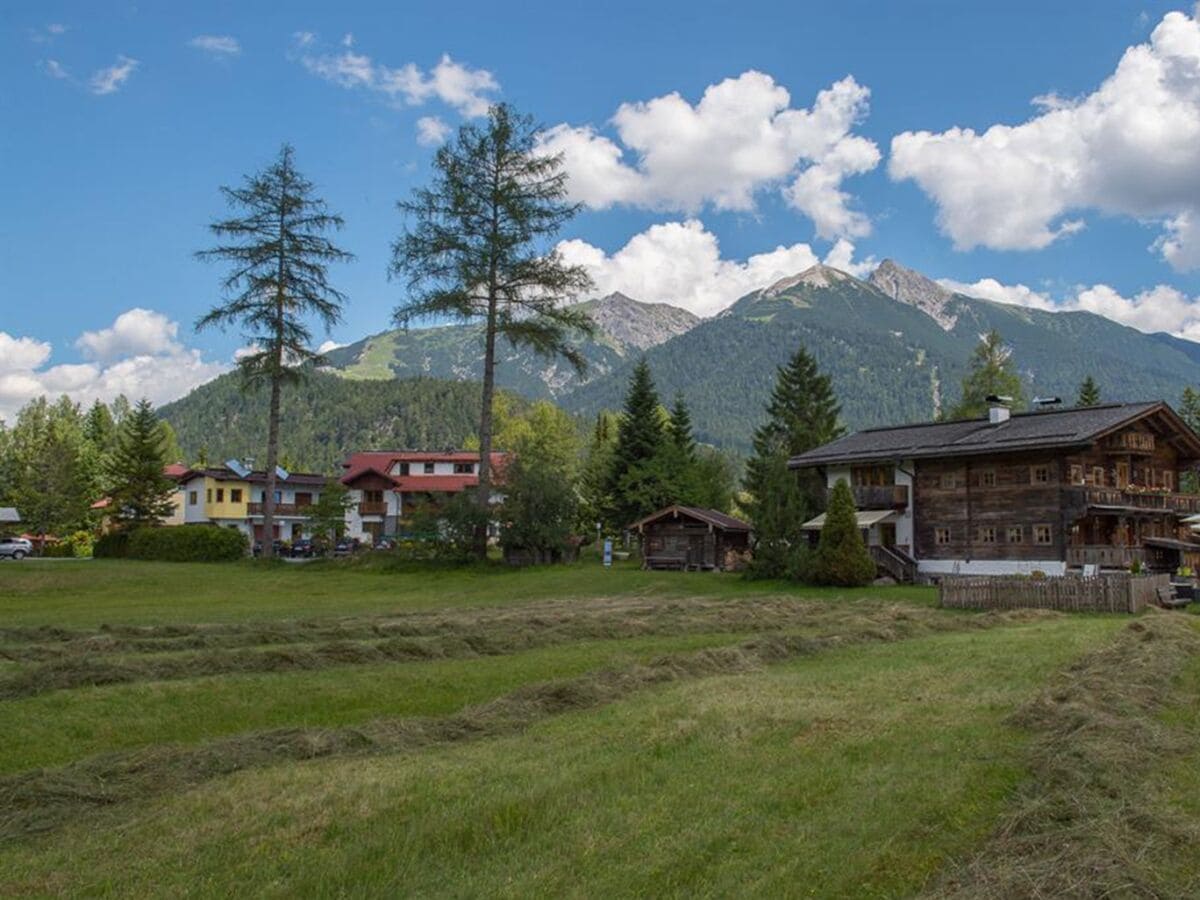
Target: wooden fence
1068	593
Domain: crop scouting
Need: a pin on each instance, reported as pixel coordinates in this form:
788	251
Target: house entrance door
887	534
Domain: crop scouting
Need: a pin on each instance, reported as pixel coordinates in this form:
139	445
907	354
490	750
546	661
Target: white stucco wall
990	567
194	512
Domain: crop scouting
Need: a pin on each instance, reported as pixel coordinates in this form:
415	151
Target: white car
17	548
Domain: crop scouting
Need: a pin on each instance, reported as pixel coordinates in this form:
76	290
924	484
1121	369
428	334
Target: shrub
114	545
187	543
59	550
841	558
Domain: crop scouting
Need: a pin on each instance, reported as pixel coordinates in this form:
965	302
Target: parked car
304	548
385	544
15	547
347	546
276	546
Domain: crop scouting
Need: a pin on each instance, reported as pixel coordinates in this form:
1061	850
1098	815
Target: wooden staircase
895	563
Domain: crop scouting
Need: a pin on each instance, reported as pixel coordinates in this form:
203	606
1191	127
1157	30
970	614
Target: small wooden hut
686	537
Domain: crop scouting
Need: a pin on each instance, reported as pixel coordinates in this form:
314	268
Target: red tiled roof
382	462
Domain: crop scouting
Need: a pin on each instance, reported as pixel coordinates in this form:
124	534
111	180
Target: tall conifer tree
992	372
803	413
279	258
477	248
141	493
636	483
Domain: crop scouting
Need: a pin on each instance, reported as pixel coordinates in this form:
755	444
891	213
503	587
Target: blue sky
717	145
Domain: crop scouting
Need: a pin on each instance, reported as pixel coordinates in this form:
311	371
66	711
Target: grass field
370	730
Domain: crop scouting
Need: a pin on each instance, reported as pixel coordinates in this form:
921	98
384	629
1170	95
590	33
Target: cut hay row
43	644
1085	824
42	800
454	637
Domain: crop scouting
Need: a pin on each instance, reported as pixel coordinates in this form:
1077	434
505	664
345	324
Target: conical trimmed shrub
841	558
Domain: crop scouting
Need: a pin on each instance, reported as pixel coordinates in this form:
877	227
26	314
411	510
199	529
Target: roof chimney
998	410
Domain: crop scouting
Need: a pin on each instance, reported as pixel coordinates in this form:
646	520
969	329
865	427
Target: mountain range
896	345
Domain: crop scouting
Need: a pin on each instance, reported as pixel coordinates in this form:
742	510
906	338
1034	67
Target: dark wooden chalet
686	537
1046	490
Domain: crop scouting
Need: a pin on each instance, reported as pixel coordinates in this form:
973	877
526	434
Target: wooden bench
1168	600
676	561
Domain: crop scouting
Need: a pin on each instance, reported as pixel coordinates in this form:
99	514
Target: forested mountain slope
325	418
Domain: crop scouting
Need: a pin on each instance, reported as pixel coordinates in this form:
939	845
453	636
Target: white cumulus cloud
743	136
459	86
1160	308
1131	147
135	332
680	263
217	44
431	131
137	356
110	80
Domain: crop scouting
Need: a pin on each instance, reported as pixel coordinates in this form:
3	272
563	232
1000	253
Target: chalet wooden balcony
1131	442
888	496
281	509
1184	504
372	508
1105	556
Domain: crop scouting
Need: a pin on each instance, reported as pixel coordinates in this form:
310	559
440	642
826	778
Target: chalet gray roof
1048	429
9	514
709	516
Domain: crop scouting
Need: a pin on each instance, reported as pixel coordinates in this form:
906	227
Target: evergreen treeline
57	459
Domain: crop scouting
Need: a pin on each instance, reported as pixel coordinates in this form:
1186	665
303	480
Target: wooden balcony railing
281	509
888	496
372	508
1105	556
1187	504
1131	442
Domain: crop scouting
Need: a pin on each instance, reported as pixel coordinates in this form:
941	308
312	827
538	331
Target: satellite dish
281	473
237	468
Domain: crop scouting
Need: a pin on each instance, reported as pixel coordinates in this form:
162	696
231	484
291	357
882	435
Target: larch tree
279	255
1089	393
991	373
477	247
141	494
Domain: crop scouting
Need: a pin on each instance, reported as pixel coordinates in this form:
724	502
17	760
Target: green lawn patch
852	772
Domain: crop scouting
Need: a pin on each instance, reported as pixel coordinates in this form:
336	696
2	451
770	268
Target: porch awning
1171	544
866	518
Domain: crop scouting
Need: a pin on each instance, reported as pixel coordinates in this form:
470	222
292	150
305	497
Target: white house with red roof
388	485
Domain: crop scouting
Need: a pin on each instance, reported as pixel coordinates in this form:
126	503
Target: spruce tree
636	482
679	428
842	558
803	413
991	373
279	258
141	494
1089	393
477	248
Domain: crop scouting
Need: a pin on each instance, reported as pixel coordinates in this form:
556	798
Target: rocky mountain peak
915	289
819	276
632	323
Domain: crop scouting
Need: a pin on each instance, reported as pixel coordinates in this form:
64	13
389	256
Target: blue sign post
608	552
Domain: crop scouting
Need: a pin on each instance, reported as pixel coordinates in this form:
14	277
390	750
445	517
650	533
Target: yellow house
233	497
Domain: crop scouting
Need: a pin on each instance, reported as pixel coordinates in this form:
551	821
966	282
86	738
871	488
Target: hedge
187	543
113	545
